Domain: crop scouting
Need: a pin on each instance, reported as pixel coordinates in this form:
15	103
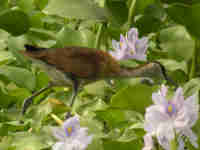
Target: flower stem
98	37
173	145
58	120
130	13
193	70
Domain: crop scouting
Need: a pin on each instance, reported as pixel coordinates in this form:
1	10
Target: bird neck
151	70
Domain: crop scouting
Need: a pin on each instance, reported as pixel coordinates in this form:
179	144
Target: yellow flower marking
121	44
132	52
69	130
170	108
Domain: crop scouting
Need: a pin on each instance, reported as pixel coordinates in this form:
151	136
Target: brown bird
77	66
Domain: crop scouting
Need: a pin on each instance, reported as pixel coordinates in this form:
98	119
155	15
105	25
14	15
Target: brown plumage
84	64
81	62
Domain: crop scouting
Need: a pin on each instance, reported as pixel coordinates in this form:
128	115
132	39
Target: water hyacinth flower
71	136
120	48
130	46
166	119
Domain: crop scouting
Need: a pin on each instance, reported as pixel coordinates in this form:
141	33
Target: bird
77	66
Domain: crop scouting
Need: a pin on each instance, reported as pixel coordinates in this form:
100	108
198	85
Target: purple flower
71	136
130	46
119	48
168	118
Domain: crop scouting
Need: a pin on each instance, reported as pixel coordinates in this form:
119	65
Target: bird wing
80	61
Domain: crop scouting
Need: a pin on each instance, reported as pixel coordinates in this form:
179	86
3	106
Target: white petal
76	144
165	133
178	98
192	108
83	136
59	133
155	115
188	113
163	90
132	35
86	141
148	142
73	121
83	132
159	97
181	120
141	45
123	43
59	146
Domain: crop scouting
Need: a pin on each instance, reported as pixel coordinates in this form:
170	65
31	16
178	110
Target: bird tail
34	52
31	48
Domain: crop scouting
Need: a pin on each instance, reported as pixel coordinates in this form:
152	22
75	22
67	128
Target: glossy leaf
188	16
118	11
75	9
20	76
136	97
109	144
177	42
15	22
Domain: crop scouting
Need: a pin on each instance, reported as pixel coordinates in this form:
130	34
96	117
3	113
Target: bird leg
75	88
166	77
29	100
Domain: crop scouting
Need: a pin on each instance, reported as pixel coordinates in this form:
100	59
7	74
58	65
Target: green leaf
95	126
88	38
15	22
95	145
11	126
135	145
6	57
6	142
42	80
20	76
36	19
78	9
189	16
35	142
136	97
178	76
176	70
14	45
3	4
147	24
118	117
3	39
19	94
155	11
118	11
191	87
26	6
141	5
173	65
177	42
98	88
41	4
69	37
181	1
6	99
41	34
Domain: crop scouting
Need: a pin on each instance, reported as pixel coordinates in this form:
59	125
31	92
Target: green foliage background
114	114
